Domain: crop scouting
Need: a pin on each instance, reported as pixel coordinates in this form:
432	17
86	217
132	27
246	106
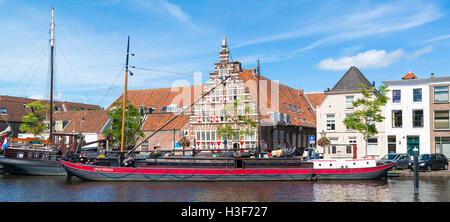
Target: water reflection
34	188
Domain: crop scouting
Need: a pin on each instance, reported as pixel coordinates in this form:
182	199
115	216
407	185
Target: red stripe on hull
220	171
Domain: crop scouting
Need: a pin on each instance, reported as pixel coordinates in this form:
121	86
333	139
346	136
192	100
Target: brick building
287	115
13	108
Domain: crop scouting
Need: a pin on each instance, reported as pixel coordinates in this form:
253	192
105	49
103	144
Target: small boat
33	156
226	169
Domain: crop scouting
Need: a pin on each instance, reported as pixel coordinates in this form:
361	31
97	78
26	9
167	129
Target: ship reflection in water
31	188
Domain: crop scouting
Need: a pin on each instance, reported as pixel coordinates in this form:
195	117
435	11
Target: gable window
396	118
396	96
349	102
417	95
440	94
418	118
441	119
3	110
331	122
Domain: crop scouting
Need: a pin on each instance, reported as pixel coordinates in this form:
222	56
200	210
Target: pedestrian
305	154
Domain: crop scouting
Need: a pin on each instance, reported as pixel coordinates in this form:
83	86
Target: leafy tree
132	123
368	111
33	122
244	125
184	142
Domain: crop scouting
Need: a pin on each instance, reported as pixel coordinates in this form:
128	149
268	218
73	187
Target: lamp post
416	172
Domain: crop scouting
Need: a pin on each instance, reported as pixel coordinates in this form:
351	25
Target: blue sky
305	44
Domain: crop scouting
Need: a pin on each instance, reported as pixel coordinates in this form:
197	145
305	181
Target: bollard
416	172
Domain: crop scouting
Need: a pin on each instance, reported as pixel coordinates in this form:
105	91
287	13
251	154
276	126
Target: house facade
419	115
408	115
439	115
331	114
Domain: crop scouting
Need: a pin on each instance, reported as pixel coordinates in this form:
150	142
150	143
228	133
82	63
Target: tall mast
124	98
52	46
259	112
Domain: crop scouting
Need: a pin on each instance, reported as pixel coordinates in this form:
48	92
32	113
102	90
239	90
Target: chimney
432	76
300	92
373	83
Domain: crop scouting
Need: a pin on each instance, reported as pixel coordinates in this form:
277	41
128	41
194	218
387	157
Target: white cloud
369	59
437	38
377	19
416	54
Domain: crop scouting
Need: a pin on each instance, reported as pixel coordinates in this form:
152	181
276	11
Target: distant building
288	118
13	108
331	114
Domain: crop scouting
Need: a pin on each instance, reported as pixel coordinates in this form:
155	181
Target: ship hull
32	167
102	173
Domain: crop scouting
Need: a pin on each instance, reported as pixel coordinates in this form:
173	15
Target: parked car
430	162
401	160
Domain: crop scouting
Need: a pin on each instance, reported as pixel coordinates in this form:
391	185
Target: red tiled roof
409	75
83	121
161	97
315	98
156	120
16	109
305	116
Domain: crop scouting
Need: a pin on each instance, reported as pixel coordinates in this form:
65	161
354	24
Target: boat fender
46	156
36	155
314	177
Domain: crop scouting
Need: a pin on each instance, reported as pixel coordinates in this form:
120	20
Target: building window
3	110
333	142
291	108
372	146
396	118
417	95
331	122
417	118
442	145
396	96
440	94
144	146
349	102
441	119
392	144
351	140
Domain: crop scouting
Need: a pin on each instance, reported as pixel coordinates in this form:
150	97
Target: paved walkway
433	173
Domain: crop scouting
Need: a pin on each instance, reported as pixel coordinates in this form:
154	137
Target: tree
244	125
184	142
33	122
132	123
368	111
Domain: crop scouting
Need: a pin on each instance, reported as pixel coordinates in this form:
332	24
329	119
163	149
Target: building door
412	142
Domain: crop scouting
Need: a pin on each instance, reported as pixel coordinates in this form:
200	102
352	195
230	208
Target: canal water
14	188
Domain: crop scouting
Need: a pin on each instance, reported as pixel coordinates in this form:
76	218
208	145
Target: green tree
33	122
243	126
132	123
368	111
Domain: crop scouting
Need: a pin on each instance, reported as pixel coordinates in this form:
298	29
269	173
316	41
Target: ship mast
124	98
52	46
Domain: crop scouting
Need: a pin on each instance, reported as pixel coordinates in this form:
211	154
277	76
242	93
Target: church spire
224	52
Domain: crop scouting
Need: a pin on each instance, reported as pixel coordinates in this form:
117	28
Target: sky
305	44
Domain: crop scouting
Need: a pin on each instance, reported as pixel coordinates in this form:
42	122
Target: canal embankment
429	174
